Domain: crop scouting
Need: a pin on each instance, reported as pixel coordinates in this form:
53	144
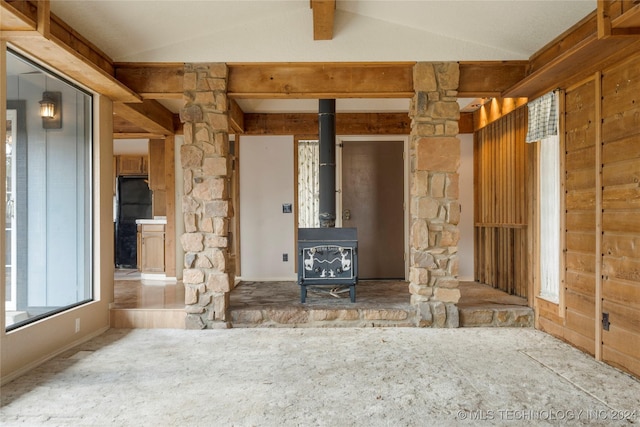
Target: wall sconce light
47	108
51	110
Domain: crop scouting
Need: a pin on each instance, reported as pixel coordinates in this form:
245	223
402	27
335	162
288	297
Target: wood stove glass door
372	201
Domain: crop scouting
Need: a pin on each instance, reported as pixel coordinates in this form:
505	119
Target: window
550	218
48	194
543	129
308	184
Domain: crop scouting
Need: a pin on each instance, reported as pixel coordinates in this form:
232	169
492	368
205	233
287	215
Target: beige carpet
322	377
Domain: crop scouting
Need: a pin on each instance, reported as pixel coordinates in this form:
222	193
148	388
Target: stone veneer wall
435	209
206	206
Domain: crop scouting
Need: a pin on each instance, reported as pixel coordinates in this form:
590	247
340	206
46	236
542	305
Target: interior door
372	202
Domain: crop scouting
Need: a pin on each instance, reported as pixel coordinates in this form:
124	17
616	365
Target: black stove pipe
327	175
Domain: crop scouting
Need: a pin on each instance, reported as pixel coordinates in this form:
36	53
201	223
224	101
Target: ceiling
282	31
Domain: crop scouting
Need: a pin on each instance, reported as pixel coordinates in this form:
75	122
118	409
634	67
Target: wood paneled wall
602	219
500	177
580	224
620	246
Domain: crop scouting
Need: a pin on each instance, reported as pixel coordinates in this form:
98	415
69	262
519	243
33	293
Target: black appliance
327	257
133	201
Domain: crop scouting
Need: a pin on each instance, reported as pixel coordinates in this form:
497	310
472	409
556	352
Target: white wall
266	183
465	245
137	147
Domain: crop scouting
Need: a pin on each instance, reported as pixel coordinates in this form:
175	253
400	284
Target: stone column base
437	314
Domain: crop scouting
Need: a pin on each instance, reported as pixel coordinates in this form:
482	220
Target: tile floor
140	303
130	292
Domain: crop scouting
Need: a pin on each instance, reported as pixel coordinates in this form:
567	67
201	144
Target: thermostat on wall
286	208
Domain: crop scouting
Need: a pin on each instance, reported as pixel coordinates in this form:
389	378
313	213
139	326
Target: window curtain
308	184
543	117
550	218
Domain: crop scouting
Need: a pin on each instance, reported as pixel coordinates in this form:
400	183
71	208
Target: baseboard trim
12	376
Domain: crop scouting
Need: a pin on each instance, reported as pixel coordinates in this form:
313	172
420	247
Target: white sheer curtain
308	186
550	218
543	129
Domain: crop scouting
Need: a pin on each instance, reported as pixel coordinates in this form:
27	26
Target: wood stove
327	257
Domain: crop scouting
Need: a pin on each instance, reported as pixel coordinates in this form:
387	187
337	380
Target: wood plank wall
602	219
500	171
580	223
621	214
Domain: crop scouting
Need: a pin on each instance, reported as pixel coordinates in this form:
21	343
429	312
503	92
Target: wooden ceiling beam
152	80
37	19
571	57
44	18
149	115
66	61
18	16
137	135
323	18
120	125
320	80
30	26
618	18
279	80
346	124
483	79
83	47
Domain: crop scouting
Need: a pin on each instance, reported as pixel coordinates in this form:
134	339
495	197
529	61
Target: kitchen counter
152	221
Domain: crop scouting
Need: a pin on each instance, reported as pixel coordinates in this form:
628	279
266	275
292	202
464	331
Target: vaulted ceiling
282	30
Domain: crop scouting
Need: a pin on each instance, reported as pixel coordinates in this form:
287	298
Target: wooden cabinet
157	176
157	165
151	248
131	165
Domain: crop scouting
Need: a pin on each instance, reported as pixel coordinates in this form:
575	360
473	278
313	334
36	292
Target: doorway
133	201
372	199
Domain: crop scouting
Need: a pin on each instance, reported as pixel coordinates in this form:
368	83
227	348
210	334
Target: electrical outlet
77	325
285	257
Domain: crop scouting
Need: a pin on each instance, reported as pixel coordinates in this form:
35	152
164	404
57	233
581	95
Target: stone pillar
206	206
435	209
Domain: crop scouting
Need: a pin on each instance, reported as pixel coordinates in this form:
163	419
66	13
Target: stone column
206	206
435	209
